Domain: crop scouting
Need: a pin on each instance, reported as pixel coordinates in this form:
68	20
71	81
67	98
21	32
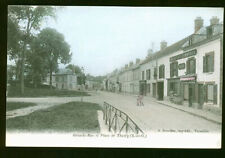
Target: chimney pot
163	45
137	60
131	63
214	20
198	23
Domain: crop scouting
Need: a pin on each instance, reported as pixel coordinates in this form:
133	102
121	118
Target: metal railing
118	121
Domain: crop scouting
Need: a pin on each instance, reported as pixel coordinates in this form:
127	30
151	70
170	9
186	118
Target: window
148	88
174	87
143	75
56	78
208	62
191	66
161	71
155	73
148	74
190	40
174	69
211	93
65	78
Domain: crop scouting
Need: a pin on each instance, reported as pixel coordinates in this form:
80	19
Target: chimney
163	45
198	24
131	63
150	52
137	60
214	20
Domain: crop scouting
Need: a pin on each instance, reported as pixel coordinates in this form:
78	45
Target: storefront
143	85
189	90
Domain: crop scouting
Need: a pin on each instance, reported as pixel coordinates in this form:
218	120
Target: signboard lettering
183	55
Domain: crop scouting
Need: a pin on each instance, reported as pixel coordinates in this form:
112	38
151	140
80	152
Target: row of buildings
188	72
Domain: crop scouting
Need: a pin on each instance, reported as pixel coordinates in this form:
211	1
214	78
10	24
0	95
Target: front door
201	94
160	90
190	93
154	90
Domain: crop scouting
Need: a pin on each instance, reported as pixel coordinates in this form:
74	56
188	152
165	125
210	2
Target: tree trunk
23	53
22	70
50	78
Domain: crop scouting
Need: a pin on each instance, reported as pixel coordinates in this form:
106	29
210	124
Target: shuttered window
143	75
208	62
155	73
191	66
148	74
174	69
161	71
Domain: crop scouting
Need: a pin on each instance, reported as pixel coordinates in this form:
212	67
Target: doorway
160	87
154	89
190	94
200	95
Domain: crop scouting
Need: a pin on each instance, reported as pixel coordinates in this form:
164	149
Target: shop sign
183	55
188	78
181	66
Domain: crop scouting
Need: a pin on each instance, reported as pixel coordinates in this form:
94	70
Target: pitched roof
64	72
168	50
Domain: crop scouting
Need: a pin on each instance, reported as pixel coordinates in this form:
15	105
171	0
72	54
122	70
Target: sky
105	38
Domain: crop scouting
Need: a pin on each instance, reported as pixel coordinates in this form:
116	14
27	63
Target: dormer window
190	41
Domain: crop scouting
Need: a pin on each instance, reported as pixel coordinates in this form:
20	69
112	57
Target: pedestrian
139	100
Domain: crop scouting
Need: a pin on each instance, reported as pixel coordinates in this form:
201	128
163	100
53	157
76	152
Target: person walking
140	100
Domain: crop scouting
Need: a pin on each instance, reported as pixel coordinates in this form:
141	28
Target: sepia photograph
107	76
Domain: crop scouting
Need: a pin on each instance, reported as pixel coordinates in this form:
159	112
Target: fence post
104	111
109	118
126	123
106	114
115	128
136	129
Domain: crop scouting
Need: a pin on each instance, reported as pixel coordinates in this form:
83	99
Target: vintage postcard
125	77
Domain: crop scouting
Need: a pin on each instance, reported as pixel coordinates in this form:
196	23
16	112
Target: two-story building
189	70
63	79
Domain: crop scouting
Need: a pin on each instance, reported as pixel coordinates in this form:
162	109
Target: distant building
93	85
63	79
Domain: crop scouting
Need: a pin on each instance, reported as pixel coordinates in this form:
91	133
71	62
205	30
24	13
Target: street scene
101	71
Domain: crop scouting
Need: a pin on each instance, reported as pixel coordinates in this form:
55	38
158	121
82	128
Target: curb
194	114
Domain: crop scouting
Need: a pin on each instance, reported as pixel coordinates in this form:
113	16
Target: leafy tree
27	19
52	46
37	63
79	72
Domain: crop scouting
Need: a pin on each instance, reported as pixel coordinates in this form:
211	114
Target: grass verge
43	92
69	117
17	105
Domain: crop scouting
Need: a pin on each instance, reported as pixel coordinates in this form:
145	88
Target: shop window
174	87
148	74
208	62
211	93
161	71
191	66
174	69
